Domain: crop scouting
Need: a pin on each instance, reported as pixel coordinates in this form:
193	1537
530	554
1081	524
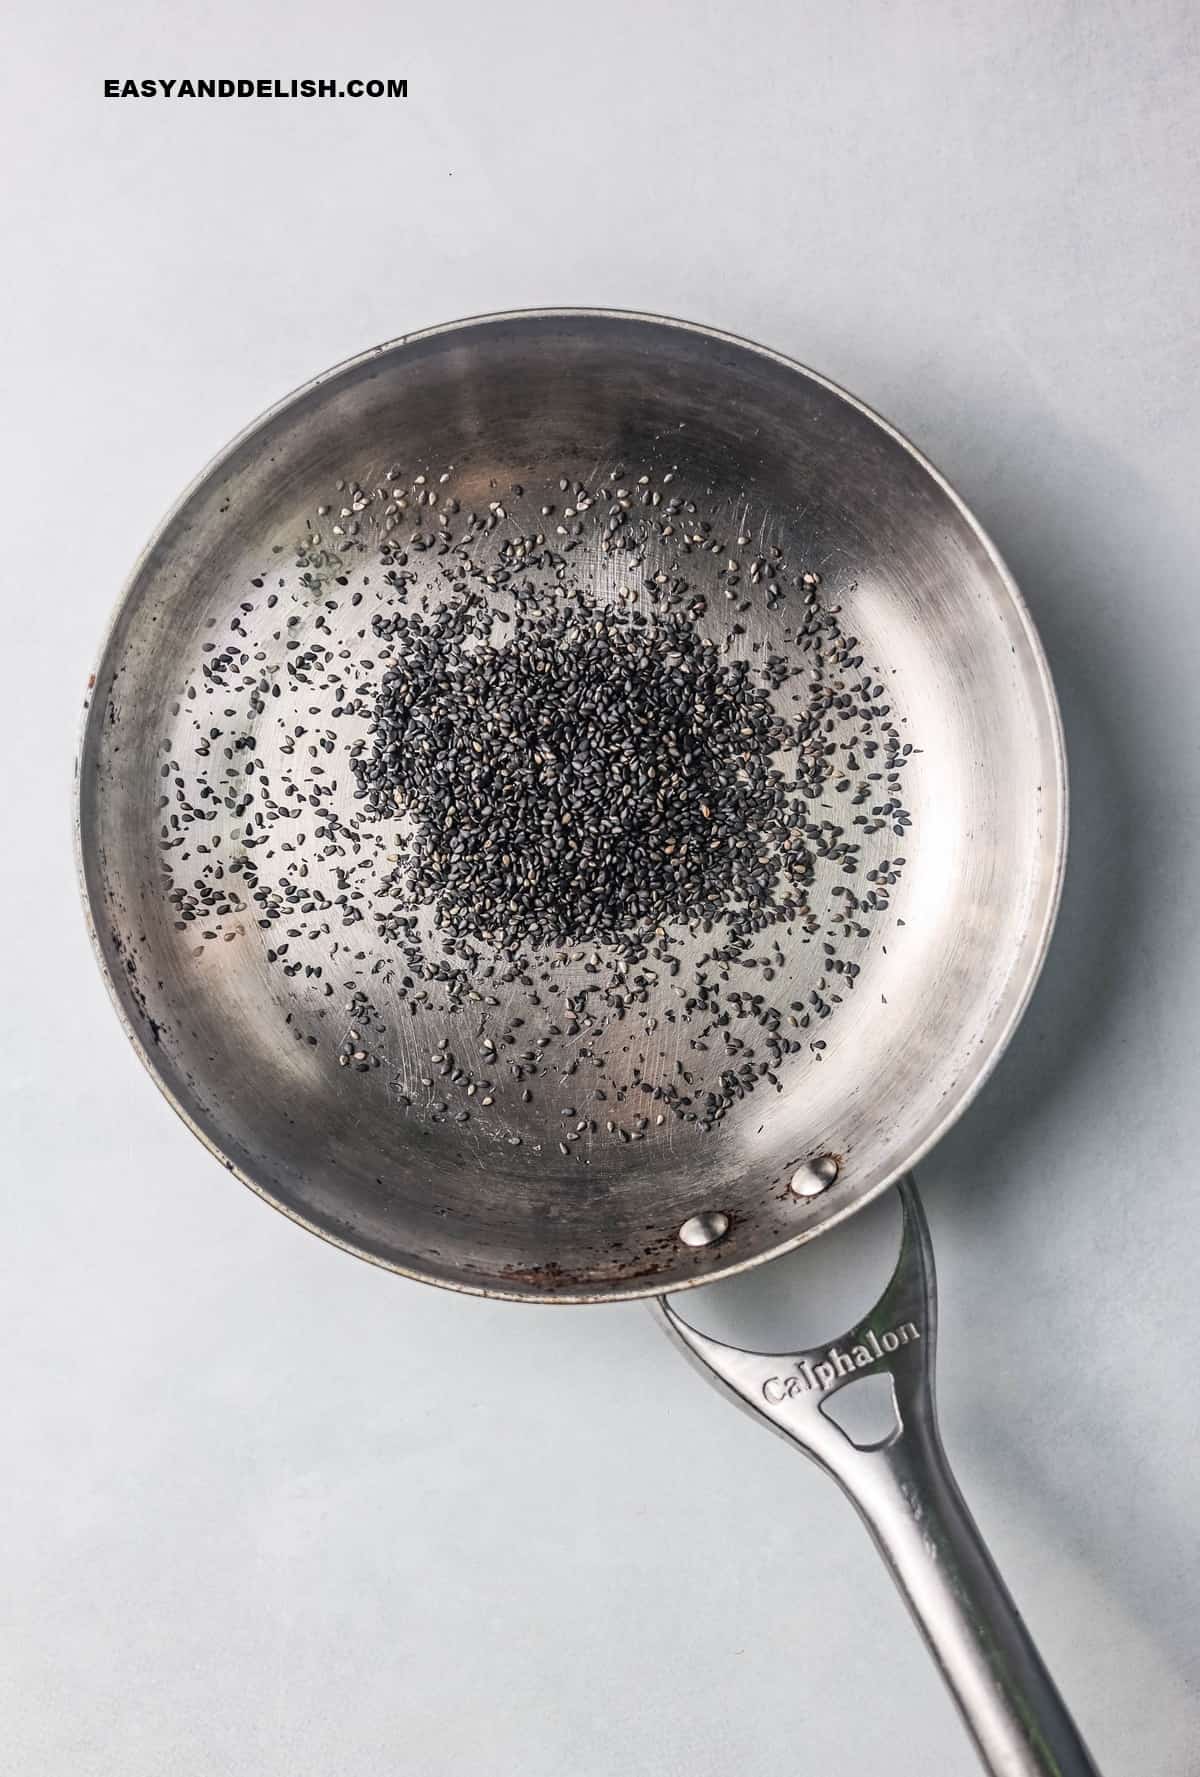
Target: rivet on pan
705	1229
815	1176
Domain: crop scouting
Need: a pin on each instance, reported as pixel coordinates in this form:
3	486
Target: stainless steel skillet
774	452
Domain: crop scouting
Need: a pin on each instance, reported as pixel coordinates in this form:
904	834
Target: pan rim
1027	966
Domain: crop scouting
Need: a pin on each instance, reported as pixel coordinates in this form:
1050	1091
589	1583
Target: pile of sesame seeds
600	772
531	774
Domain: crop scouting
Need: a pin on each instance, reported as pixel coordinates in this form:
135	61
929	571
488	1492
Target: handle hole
806	1297
865	1410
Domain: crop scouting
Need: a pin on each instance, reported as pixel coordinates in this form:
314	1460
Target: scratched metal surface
760	446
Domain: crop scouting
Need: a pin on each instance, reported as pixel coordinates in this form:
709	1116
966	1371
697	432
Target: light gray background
266	1510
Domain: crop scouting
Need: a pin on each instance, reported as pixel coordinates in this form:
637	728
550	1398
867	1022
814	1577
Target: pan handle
905	1491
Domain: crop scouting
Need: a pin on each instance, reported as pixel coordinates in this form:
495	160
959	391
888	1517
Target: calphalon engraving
836	1365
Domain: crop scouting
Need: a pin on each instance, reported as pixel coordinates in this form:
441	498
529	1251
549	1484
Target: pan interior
763	449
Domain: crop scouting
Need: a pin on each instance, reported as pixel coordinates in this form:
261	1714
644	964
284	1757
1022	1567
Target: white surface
265	1510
